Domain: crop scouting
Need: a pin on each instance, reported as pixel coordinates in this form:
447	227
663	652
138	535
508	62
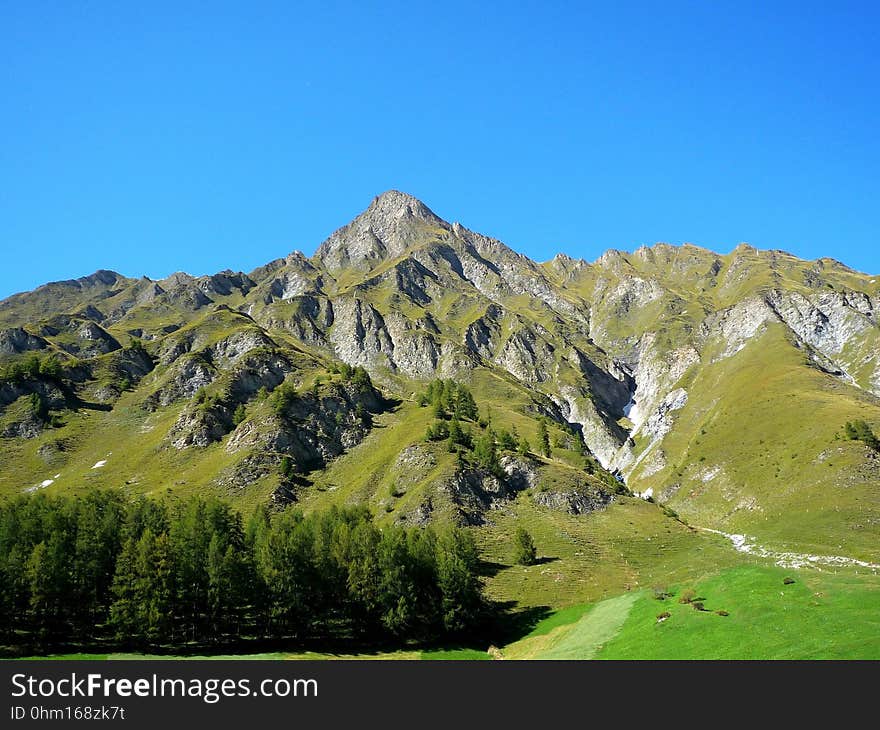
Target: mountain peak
397	203
392	223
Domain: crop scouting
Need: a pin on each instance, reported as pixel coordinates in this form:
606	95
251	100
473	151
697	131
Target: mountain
718	385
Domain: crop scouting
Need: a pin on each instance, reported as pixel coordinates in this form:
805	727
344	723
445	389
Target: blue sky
154	137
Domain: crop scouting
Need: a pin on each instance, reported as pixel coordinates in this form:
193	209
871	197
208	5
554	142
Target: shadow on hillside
513	622
544	559
488	569
89	406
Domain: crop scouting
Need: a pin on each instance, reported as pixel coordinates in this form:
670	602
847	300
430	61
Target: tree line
170	574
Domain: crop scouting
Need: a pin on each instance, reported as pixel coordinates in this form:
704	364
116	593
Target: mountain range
715	387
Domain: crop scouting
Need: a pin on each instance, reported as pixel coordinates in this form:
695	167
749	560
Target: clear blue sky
154	137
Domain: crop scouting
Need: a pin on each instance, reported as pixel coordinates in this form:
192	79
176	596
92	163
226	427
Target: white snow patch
649	492
99	464
745	544
42	485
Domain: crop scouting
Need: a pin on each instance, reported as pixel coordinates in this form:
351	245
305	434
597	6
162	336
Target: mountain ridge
636	359
394	203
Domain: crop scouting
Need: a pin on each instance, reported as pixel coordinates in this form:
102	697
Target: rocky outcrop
94	341
15	340
577	501
312	428
188	375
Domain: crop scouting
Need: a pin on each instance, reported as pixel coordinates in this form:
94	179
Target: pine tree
457	561
544	438
524	551
41	585
123	611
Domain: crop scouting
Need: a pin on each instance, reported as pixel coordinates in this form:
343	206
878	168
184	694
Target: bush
661	593
788	581
722	612
687	595
663	616
524	550
698	606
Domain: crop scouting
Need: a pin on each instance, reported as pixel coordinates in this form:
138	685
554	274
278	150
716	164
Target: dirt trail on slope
745	544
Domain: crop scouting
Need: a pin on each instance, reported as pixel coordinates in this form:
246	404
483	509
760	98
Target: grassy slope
820	616
770	424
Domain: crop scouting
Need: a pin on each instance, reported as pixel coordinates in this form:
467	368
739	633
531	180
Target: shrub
722	612
788	581
661	593
698	606
663	616
687	595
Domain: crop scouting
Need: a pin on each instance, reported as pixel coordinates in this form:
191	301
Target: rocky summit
717	386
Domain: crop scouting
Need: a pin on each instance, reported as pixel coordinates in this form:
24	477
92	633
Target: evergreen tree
239	414
40	574
524	550
152	588
544	438
506	441
397	591
364	577
457	562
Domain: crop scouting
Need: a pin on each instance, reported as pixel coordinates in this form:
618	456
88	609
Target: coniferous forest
167	575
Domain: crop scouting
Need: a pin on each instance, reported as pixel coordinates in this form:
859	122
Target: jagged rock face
95	340
16	340
189	375
393	223
53	397
575	502
313	429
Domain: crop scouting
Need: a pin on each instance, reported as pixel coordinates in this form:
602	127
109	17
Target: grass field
819	616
